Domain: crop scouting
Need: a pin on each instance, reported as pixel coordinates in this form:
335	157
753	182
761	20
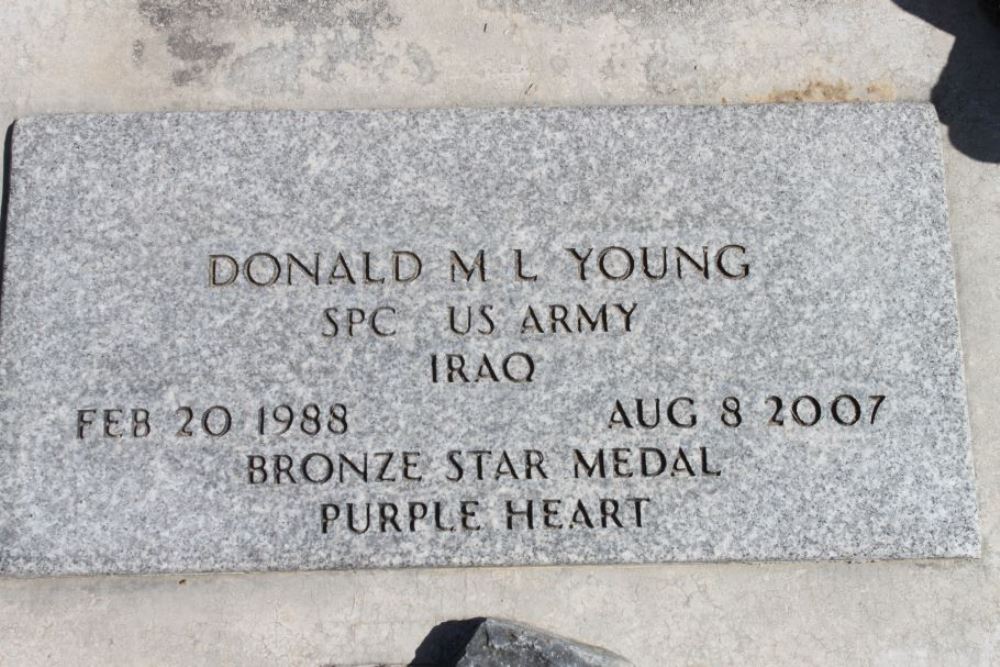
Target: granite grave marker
242	341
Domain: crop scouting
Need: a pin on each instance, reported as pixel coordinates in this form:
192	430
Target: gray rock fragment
498	643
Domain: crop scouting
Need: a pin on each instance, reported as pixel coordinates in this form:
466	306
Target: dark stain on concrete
165	14
422	63
831	91
201	53
138	52
190	38
630	13
331	33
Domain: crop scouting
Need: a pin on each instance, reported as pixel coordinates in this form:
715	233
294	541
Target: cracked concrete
129	55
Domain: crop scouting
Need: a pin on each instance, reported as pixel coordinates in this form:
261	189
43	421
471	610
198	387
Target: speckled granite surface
822	232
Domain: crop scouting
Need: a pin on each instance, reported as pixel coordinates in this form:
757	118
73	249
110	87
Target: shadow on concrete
445	644
8	147
967	93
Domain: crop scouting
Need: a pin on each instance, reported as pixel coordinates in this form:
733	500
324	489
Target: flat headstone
246	341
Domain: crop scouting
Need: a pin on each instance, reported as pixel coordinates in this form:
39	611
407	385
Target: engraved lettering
214	279
262	264
476	267
519	267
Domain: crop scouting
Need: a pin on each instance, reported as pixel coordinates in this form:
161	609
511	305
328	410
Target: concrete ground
116	55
